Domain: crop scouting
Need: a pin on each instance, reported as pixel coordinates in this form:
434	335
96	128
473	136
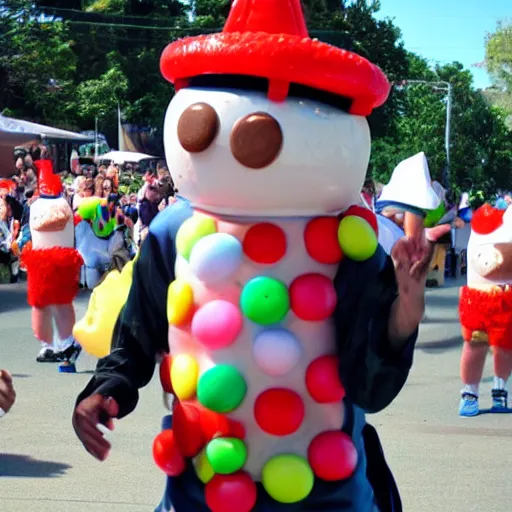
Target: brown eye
256	140
197	128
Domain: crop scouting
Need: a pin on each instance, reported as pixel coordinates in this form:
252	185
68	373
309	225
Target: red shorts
53	275
489	312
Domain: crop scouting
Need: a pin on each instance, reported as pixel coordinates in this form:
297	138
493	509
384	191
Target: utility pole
448	89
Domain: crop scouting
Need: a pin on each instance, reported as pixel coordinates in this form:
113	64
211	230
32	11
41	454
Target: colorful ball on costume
166	454
215	425
226	455
288	478
216	258
265	301
221	389
357	238
276	352
323	381
321	239
313	297
265	243
231	493
165	374
184	374
204	470
180	303
217	324
332	456
366	214
186	424
191	231
279	411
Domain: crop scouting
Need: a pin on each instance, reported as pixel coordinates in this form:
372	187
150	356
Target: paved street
441	462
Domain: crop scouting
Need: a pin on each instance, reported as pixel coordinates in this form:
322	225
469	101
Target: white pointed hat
464	201
411	185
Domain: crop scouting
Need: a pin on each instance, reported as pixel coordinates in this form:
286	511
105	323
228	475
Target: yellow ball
357	238
191	231
180	301
288	478
204	470
184	374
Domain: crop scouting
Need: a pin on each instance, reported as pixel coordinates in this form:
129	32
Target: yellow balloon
204	470
191	231
95	330
180	301
357	238
184	374
288	478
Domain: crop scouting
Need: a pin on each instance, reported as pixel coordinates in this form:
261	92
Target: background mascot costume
53	269
97	238
266	286
486	307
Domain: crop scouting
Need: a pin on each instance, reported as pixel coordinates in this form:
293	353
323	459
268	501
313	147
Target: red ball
323	381
313	297
165	374
166	454
332	456
265	243
366	214
321	239
186	423
215	425
231	493
279	412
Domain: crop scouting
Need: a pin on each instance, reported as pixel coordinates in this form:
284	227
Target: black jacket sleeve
372	372
140	334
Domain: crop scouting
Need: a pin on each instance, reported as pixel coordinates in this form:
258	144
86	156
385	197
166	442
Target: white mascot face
237	153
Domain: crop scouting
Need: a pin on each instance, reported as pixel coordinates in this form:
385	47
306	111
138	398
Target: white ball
276	352
216	258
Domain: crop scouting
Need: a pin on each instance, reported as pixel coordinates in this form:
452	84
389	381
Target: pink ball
217	324
332	456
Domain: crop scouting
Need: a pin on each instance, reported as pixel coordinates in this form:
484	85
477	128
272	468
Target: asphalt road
441	462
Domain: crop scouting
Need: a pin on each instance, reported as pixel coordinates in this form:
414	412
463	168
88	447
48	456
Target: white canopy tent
124	157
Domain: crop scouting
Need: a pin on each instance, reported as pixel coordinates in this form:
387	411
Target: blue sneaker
499	400
70	355
469	405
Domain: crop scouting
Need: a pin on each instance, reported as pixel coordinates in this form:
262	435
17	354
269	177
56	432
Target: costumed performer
254	285
485	308
409	190
97	238
53	269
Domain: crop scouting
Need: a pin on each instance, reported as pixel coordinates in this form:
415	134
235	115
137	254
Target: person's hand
88	413
162	206
7	393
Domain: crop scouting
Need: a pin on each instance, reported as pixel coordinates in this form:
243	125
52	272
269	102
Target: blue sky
447	30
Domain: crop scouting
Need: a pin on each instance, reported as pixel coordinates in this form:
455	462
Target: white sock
470	388
45	345
500	383
64	344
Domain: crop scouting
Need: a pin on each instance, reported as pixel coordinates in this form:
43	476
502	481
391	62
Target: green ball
265	301
191	231
226	455
221	389
288	478
357	239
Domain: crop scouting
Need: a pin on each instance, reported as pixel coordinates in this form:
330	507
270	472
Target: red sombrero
269	39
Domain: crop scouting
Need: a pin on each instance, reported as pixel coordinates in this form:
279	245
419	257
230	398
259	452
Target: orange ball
332	456
186	423
166	454
321	239
366	214
231	493
279	411
265	243
323	381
